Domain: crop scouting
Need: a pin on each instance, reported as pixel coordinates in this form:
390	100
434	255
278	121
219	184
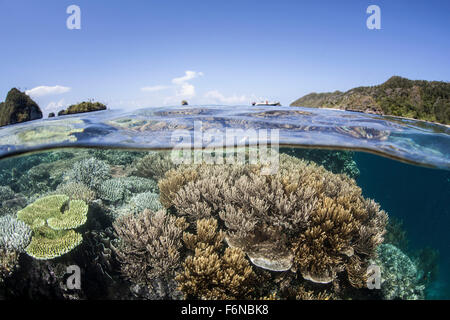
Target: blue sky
132	54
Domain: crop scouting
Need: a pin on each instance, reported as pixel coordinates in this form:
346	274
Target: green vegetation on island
86	106
418	99
18	107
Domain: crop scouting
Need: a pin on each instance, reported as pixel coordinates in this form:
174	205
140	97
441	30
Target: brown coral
303	217
150	244
9	261
207	274
154	165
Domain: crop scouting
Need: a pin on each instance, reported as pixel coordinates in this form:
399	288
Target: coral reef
15	235
18	107
154	165
52	219
145	200
399	274
150	244
207	274
117	157
303	218
121	189
76	191
6	193
336	161
91	172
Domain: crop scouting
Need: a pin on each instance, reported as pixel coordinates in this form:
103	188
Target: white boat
266	103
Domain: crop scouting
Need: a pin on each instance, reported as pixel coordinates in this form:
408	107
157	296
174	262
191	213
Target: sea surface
403	164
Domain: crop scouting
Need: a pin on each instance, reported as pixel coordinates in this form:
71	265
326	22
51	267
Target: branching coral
303	217
76	191
51	219
145	200
91	172
154	165
5	194
15	235
399	275
150	244
210	275
305	294
120	189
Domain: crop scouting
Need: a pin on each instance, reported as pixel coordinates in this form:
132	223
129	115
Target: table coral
52	219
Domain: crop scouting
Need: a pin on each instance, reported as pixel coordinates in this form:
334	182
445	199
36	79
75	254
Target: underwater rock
51	115
83	107
18	107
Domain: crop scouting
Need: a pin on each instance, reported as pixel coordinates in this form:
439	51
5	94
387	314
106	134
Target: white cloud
46	90
187	90
188	75
154	88
54	106
214	96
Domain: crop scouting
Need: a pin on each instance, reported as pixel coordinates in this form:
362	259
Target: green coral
120	189
51	219
44	248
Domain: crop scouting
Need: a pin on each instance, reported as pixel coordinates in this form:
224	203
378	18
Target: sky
134	54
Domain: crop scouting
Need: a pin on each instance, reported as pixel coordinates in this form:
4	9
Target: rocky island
18	107
417	99
86	106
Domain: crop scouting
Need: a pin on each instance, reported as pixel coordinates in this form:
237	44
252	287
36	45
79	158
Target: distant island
18	107
85	106
417	99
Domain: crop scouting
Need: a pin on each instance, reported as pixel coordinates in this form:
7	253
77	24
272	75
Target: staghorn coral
5	194
118	190
303	217
91	172
305	294
399	275
51	219
15	235
207	274
145	200
76	191
117	157
154	165
150	244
